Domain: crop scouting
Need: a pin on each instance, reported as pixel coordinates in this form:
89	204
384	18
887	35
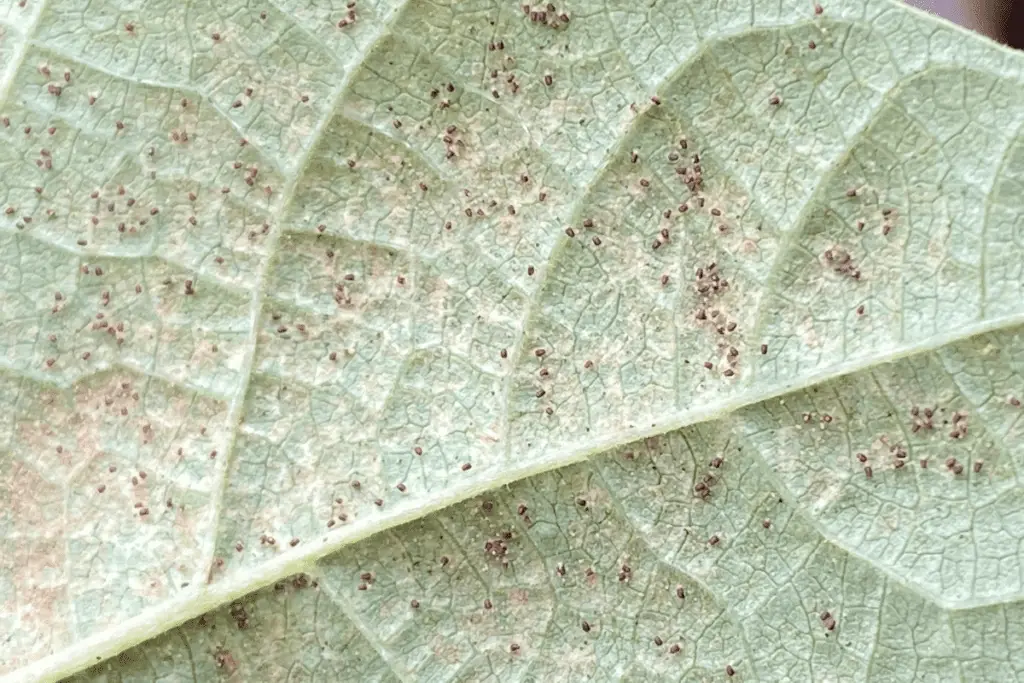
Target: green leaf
391	348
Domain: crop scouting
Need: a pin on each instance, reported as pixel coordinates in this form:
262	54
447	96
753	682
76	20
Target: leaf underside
455	340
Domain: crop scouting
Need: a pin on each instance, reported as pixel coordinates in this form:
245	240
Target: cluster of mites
100	322
45	160
546	15
137	218
140	476
922	419
703	487
497	549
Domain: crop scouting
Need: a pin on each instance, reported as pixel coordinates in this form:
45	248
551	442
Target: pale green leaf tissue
383	342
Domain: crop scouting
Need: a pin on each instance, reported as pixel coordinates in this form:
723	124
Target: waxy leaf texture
466	340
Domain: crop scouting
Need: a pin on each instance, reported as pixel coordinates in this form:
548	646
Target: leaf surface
537	321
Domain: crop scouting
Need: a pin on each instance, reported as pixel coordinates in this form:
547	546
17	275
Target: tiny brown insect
415	604
867	472
680	593
514	647
729	671
466	467
714	540
674	649
539	353
401	487
585	626
658	641
978	465
774	100
811	44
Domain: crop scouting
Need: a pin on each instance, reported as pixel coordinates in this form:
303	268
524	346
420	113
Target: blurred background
1001	20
